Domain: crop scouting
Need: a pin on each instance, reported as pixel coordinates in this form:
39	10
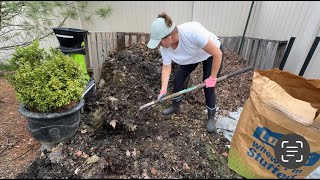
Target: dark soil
115	140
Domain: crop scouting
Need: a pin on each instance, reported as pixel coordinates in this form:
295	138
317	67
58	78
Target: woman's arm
165	75
216	53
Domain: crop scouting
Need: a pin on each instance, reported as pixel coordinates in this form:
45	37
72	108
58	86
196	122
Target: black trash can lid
72	30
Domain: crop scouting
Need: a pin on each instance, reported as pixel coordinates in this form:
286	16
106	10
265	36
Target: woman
187	45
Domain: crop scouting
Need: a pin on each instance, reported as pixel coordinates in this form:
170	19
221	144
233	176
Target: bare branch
4	33
25	43
63	21
14	25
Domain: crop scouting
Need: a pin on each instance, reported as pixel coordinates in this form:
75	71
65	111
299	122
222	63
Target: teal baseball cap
158	30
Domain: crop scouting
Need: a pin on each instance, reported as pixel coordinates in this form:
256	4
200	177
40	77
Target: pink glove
210	82
162	94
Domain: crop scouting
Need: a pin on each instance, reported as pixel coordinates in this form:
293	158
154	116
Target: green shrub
46	81
31	54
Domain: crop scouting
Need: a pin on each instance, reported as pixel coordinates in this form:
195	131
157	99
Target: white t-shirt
192	38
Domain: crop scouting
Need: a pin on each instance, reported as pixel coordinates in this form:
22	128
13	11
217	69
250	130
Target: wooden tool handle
204	84
197	87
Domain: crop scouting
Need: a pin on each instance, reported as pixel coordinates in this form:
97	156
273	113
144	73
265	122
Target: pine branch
4	33
25	43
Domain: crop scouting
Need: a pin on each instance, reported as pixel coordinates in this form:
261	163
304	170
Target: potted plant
49	87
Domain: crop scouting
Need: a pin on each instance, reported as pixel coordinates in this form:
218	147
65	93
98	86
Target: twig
21	154
10	31
6	145
63	21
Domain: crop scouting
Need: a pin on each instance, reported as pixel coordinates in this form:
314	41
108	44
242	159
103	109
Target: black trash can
70	37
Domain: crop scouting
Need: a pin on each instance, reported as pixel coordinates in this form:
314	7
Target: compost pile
115	140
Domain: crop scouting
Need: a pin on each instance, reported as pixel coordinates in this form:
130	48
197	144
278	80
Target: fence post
120	40
86	48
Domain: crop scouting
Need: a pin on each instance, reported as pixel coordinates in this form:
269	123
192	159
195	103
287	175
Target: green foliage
104	12
46	81
31	54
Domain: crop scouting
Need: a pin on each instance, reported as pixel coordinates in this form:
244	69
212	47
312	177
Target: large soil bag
280	103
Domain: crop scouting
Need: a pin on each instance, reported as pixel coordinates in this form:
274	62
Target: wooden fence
259	53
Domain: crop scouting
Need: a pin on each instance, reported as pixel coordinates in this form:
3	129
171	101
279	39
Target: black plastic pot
52	128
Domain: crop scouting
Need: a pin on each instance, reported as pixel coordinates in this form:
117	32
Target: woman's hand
210	82
162	94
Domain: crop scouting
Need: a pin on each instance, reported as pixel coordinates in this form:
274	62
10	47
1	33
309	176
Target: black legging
183	72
